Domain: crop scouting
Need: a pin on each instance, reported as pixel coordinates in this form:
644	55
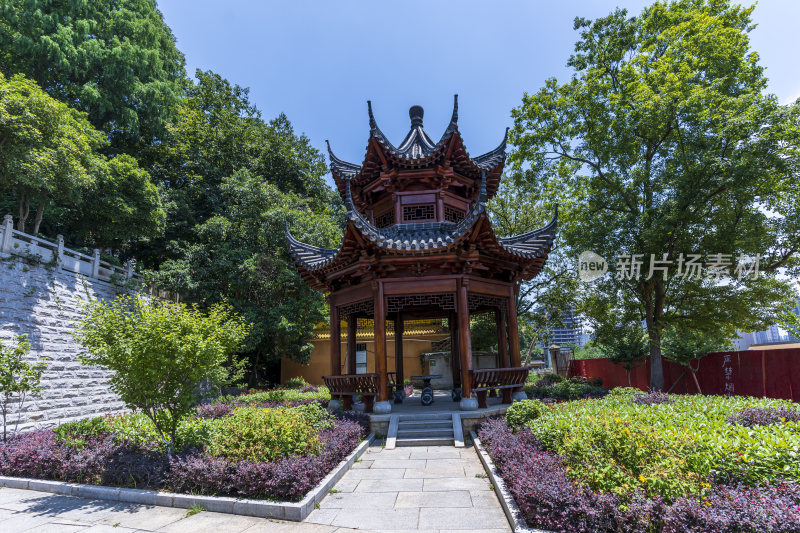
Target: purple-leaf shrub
214	410
101	460
733	509
764	416
652	397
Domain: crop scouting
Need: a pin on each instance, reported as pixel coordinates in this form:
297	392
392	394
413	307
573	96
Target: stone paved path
435	489
42	512
438	488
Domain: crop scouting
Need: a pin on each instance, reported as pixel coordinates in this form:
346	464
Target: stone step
433	424
445	432
426	416
425	441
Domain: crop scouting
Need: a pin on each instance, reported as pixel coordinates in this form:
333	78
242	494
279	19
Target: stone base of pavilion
442	405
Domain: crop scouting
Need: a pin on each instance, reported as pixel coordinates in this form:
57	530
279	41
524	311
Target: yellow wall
319	363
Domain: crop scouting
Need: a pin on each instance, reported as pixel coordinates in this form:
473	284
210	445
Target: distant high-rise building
771	334
571	333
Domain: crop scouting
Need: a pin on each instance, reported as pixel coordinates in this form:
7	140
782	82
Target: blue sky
319	62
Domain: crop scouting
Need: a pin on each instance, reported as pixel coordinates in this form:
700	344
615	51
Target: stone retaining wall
44	302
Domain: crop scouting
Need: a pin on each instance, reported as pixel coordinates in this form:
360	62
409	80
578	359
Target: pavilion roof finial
372	124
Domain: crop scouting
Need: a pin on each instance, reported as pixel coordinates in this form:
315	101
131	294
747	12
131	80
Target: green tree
161	353
49	159
664	143
115	60
18	378
121	205
47	150
230	181
543	302
685	346
624	344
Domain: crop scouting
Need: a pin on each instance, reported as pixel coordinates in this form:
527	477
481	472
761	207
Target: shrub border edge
507	502
293	511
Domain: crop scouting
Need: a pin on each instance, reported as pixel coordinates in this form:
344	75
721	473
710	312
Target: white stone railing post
129	266
8	226
96	263
59	250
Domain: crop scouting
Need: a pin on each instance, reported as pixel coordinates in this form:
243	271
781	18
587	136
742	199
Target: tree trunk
656	366
697	383
24	203
654	297
38	219
629	377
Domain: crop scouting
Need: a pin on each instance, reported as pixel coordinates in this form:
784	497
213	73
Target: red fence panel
771	373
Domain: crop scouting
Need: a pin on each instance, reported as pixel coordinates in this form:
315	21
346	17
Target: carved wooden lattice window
364	306
443	301
477	301
451	214
385	220
419	212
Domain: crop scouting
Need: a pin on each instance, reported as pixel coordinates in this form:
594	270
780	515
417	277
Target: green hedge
668	449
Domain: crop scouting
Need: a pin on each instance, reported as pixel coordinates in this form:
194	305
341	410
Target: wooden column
455	357
398	347
336	339
502	338
351	344
380	342
513	330
465	340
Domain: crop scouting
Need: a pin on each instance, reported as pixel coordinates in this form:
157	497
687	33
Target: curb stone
507	502
295	511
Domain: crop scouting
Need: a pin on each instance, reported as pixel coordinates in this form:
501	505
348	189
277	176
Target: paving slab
354	500
444	461
375	473
144	517
207	522
433	472
399	463
453	498
464	483
376	518
389	485
457	518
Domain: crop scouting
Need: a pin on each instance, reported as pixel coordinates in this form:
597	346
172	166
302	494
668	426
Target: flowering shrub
296	383
548	498
278	396
649	398
520	414
134	428
285	479
764	416
564	390
670	449
262	435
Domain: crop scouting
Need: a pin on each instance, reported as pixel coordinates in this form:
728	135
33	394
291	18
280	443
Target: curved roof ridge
309	256
375	131
492	158
452	127
532	243
340	166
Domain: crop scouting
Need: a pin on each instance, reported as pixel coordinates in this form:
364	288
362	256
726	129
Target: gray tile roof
429	236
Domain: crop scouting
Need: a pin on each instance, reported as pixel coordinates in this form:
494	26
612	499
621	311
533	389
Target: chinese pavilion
419	243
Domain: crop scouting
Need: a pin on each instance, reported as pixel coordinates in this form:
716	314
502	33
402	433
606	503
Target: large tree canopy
116	61
664	142
231	180
49	159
